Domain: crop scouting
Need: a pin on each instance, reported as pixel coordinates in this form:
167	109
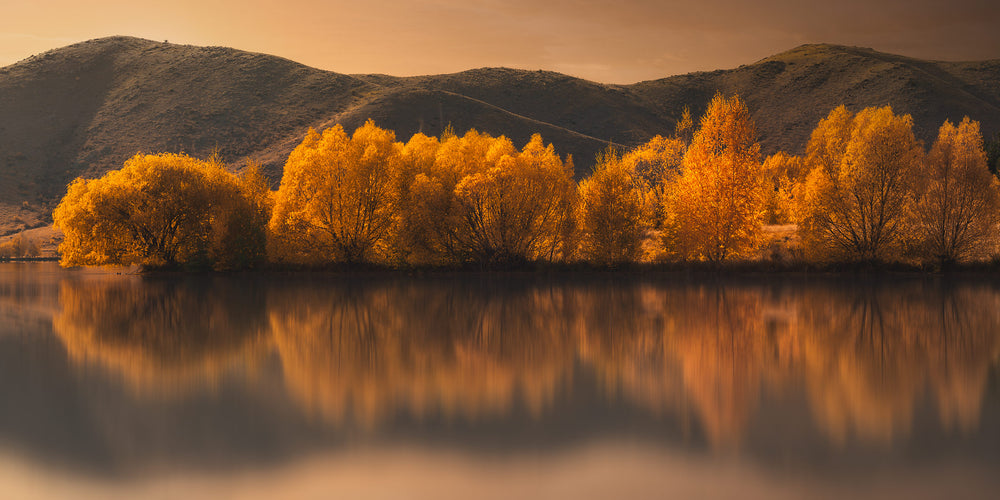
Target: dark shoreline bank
745	268
692	269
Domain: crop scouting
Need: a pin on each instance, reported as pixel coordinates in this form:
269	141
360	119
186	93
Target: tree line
865	190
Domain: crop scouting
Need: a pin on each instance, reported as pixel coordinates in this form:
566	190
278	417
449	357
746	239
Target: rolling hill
85	108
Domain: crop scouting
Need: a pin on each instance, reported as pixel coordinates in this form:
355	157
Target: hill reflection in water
365	350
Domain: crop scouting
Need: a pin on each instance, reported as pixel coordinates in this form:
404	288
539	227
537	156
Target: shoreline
986	270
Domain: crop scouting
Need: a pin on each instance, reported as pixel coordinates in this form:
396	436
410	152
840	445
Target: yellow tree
716	206
612	219
337	199
957	211
421	204
684	130
656	163
519	208
824	154
854	203
435	224
239	232
782	171
481	200
158	210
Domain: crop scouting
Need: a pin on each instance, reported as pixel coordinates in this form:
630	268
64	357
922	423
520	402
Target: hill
85	108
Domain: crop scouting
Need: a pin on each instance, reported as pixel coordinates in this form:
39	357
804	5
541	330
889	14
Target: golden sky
609	41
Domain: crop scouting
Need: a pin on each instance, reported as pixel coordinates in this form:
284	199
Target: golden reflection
363	351
871	353
163	337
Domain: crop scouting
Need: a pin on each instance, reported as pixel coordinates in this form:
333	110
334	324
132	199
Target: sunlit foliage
716	206
240	237
417	227
855	202
163	210
484	201
337	200
612	219
684	130
656	163
862	192
781	172
957	211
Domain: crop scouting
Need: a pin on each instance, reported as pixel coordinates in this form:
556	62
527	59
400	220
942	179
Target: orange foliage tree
782	171
164	210
656	164
716	206
419	202
337	200
854	203
484	201
612	219
684	129
957	211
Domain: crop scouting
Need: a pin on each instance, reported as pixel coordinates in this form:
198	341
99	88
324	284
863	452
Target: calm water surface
477	386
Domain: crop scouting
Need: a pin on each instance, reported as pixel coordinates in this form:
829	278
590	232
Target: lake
590	385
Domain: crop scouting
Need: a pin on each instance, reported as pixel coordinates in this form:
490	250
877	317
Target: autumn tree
338	199
240	230
656	163
684	130
716	206
612	218
162	210
19	246
421	204
957	211
435	219
781	171
854	204
520	208
483	201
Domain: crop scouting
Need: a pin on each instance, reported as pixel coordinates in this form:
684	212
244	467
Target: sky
620	41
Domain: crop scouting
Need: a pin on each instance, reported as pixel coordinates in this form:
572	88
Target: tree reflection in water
164	336
363	350
366	351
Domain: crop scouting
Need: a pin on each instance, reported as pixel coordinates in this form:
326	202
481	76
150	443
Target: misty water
595	385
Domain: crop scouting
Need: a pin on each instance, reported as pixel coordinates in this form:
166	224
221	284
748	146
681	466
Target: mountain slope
790	92
85	108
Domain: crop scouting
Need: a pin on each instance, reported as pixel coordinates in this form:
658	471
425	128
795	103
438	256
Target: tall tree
482	200
854	203
420	202
519	208
612	215
958	205
716	205
781	171
338	197
656	163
